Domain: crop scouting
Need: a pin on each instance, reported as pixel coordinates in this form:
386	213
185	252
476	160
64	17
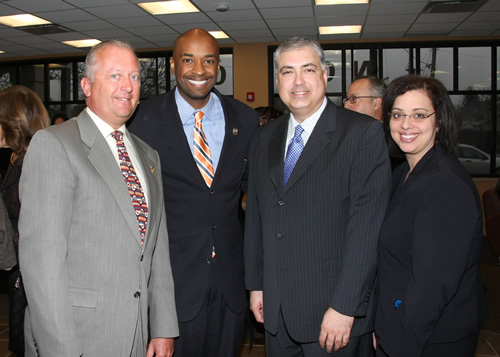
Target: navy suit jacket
430	290
199	217
312	244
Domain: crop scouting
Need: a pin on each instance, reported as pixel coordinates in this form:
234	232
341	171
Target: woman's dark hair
447	135
61	115
22	113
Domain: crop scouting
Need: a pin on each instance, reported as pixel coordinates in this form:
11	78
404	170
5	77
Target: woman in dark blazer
430	298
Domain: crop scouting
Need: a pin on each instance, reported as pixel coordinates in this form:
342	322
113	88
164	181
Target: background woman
21	114
430	300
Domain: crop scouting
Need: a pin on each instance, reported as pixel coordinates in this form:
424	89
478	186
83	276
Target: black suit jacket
430	245
312	244
199	217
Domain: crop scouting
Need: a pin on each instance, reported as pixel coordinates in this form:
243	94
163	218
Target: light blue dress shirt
213	123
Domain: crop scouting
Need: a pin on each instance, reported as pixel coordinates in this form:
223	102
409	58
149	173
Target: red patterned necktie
202	154
133	184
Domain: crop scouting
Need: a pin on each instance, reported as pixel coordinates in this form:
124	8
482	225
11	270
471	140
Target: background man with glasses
365	96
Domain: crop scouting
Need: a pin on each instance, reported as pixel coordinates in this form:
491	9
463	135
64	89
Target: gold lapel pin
153	170
235	131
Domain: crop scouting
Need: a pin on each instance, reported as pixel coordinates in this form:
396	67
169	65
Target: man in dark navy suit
202	201
318	189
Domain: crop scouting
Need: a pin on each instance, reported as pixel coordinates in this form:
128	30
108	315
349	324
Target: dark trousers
462	348
216	331
282	345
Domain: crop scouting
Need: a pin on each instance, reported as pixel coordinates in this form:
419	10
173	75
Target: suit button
137	294
212	192
207	261
279	235
214	226
281	202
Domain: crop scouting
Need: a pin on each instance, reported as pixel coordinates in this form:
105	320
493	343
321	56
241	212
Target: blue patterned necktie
294	150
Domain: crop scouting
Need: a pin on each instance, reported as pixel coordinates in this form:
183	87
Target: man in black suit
310	240
206	236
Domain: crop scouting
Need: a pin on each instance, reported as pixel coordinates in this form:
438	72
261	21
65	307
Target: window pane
32	77
474	68
7	75
396	63
473	116
365	63
333	60
61	81
437	63
81	73
149	77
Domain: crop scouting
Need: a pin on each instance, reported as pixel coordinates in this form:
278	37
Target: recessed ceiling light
218	34
22	20
168	7
82	43
341	2
338	30
2	51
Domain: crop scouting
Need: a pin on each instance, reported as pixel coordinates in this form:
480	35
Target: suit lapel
277	146
231	128
175	136
315	144
101	157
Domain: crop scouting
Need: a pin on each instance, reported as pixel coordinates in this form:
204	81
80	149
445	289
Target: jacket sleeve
46	194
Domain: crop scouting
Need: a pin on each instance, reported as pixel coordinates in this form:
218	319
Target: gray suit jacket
88	280
312	244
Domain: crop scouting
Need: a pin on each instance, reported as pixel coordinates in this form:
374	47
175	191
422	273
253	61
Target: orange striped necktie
202	154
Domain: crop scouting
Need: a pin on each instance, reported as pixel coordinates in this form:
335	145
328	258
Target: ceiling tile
237	15
262	4
113	12
243	25
288	13
340	21
396	8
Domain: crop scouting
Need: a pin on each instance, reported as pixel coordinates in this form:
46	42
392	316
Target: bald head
195	63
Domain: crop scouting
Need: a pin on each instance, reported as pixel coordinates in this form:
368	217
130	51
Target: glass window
474	122
61	81
437	63
81	72
32	77
149	77
7	75
474	68
364	63
333	60
71	110
396	63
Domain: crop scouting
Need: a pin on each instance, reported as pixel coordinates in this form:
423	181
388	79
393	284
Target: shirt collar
104	127
186	111
309	123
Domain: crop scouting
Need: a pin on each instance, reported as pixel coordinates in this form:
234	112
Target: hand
335	330
257	305
161	347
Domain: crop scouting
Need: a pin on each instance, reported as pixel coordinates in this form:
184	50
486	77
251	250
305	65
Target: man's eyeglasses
353	99
414	116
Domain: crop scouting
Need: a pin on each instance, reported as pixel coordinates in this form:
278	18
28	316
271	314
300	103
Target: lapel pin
153	170
235	131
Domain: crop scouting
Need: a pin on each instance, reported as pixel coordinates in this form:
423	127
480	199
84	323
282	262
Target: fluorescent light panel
82	43
341	2
168	7
22	20
218	34
339	30
2	51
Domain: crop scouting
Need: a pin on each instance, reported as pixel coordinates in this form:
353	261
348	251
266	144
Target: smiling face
415	136
114	92
368	106
301	82
195	63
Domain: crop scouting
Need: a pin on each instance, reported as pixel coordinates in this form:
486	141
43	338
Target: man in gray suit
318	190
93	239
